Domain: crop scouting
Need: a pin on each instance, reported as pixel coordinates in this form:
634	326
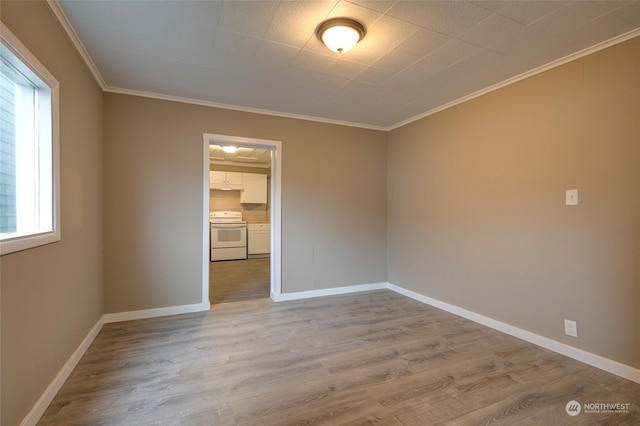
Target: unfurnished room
334	212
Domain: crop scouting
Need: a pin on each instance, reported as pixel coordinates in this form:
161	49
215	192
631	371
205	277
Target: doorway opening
241	272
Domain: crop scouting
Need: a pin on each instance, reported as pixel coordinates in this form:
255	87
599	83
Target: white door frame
276	203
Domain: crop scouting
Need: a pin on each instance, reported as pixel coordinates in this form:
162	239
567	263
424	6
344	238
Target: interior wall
230	200
477	214
153	200
52	295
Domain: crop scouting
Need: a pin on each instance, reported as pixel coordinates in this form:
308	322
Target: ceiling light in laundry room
229	149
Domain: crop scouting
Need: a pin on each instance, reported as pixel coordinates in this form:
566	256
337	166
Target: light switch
572	197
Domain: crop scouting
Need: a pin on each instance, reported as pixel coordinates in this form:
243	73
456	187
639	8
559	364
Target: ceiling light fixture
229	149
340	34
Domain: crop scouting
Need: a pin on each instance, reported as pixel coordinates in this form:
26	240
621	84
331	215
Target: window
29	188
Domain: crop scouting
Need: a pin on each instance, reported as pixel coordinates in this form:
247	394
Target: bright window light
29	194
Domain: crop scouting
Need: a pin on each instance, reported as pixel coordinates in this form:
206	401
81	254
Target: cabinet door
217	177
259	238
255	188
234	178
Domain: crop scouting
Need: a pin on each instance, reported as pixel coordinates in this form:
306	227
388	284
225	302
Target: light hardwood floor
235	280
365	358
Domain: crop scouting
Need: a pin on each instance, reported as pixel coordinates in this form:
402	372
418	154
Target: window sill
13	245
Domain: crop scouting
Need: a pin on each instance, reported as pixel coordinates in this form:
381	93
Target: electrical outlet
570	328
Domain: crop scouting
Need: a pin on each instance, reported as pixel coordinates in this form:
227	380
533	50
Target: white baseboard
157	312
594	360
327	292
41	405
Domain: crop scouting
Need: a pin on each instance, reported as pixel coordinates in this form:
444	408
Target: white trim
241	108
59	14
206	230
43	402
558	62
75	40
597	361
572	57
156	312
23	242
54	387
328	292
276	202
276	220
594	360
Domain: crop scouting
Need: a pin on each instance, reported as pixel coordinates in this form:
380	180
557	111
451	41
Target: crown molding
572	57
73	36
240	108
75	40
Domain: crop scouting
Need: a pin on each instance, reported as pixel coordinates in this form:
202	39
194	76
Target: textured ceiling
417	56
244	156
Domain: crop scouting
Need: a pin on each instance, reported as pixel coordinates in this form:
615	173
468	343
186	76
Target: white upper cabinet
255	188
225	180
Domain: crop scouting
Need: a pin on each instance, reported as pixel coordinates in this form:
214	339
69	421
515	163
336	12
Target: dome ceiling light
340	34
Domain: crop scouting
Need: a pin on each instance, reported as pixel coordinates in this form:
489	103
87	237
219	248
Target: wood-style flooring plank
365	358
236	280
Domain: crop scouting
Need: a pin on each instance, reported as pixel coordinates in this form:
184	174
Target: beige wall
153	200
230	200
52	295
476	204
475	208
